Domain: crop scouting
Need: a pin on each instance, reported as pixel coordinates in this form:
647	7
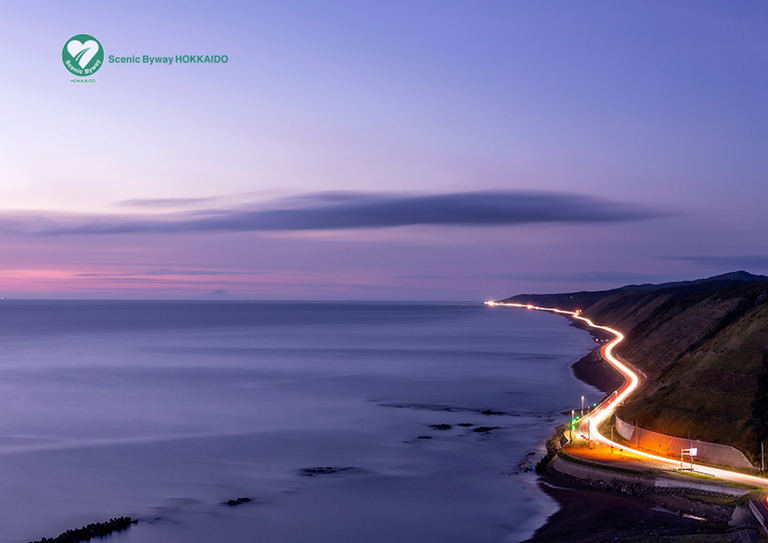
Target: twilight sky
383	150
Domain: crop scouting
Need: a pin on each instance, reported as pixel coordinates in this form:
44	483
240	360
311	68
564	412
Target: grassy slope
704	347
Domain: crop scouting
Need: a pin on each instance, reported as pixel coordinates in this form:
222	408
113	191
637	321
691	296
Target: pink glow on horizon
100	282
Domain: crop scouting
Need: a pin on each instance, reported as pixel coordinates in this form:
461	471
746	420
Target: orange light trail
606	408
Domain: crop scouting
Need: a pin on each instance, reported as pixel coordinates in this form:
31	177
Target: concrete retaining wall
595	473
590	473
663	444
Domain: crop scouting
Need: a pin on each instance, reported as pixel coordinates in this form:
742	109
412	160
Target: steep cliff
704	348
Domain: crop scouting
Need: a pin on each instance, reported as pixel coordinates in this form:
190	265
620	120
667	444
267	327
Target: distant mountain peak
218	293
739	275
586	298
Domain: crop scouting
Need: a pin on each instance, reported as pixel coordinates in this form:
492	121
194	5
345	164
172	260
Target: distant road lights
529	306
490	303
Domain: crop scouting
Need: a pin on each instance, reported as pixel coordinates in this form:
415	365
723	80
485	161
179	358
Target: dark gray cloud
352	210
539	277
585	277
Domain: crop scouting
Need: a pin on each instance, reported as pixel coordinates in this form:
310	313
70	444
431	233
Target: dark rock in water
524	466
323	470
424	437
441	426
446	408
485	429
465	424
429	407
238	501
91	531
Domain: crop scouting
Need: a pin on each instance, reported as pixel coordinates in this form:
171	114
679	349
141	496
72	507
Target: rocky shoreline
590	514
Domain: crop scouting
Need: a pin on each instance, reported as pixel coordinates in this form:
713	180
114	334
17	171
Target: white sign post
693	451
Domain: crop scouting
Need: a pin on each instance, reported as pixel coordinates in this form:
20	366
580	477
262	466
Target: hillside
704	347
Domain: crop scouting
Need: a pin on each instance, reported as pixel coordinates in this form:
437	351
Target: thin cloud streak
163	202
353	210
744	261
170	272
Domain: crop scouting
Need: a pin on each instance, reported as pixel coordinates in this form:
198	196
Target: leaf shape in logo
83	53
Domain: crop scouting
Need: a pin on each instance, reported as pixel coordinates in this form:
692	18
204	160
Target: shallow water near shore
165	410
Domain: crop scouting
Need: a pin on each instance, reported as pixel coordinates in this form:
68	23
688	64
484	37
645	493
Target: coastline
591	369
590	513
568	495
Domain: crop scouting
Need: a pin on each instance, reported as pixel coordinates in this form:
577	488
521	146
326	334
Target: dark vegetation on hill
703	346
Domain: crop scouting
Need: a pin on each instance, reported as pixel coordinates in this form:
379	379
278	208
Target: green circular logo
82	55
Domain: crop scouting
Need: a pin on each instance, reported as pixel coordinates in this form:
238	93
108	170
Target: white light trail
632	381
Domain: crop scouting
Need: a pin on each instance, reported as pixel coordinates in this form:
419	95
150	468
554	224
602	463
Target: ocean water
165	410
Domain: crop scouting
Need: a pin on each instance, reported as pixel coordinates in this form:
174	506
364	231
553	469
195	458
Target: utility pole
571	425
762	456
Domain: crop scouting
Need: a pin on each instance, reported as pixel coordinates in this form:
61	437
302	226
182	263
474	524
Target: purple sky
391	150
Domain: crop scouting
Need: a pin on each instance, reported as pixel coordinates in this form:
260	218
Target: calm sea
165	410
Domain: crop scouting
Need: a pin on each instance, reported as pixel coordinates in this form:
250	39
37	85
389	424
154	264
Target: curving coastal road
590	424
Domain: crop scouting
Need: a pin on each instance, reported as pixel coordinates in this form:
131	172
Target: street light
582	406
